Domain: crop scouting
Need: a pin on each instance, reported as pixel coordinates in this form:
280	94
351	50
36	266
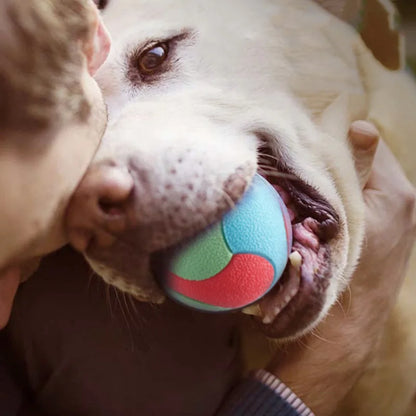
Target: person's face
38	175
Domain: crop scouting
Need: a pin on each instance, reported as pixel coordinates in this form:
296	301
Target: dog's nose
98	209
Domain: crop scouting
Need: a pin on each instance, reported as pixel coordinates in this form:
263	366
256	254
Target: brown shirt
84	349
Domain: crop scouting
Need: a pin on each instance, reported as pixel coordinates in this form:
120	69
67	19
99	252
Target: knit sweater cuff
262	394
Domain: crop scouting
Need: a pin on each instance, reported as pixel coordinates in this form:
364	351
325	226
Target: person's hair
41	60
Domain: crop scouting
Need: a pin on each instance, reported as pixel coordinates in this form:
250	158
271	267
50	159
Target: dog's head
201	96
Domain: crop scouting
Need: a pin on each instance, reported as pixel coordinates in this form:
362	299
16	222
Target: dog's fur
285	71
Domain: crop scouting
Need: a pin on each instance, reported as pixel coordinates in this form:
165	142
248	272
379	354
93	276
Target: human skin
310	367
39	173
322	367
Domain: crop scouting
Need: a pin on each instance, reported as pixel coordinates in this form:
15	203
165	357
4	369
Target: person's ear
98	46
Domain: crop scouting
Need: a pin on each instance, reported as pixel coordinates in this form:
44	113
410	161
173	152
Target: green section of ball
205	257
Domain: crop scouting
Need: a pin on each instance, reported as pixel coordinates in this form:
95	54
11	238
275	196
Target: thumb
363	138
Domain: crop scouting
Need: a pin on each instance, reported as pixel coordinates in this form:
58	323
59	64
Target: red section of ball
246	278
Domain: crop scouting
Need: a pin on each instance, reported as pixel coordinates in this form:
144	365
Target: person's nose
98	209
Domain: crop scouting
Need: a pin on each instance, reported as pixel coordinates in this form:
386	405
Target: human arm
322	367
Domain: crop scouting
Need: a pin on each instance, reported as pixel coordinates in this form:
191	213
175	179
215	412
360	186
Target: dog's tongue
9	282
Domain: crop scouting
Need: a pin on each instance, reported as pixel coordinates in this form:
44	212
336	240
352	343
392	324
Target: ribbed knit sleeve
262	394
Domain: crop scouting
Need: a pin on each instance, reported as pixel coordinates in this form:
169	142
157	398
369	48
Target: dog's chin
149	292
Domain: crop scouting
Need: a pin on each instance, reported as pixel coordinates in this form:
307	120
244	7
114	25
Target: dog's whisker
266	165
125	316
348	288
302	344
128	311
133	304
275	173
341	306
123	312
91	274
108	300
316	335
266	155
229	200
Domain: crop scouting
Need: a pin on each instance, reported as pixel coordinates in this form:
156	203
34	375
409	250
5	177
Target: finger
364	138
387	172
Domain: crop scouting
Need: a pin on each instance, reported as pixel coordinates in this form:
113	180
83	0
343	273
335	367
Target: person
52	116
384	188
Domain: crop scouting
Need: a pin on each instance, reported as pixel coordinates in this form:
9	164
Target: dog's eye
152	59
101	4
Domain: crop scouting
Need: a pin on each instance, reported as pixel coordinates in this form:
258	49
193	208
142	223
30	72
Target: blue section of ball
257	225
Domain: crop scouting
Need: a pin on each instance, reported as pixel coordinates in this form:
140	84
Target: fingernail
363	134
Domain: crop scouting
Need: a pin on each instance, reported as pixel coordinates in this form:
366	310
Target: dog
201	96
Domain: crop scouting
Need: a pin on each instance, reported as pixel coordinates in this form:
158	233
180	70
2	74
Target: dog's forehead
144	15
232	43
156	17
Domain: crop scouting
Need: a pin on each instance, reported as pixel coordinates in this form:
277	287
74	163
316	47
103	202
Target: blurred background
407	10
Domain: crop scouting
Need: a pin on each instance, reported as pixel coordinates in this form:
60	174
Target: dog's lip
304	306
297	300
310	204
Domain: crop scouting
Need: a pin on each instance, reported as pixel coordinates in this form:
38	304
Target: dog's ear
376	21
344	9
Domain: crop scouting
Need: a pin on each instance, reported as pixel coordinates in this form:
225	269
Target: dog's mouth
298	298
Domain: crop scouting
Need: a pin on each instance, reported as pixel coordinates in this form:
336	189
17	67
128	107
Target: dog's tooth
268	319
277	311
288	299
293	293
295	259
253	310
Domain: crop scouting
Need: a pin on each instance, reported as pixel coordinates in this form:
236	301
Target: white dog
201	95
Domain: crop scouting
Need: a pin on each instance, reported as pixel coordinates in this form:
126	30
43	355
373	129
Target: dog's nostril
110	208
113	190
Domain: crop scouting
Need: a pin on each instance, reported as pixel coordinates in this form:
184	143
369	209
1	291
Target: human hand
322	367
